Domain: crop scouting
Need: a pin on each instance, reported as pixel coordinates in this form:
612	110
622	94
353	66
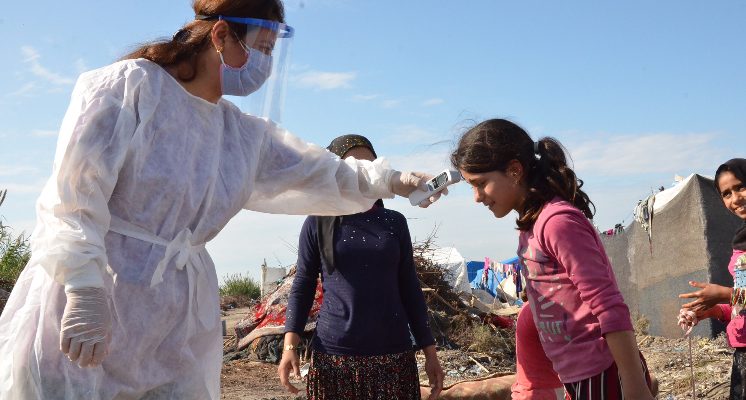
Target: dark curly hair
491	145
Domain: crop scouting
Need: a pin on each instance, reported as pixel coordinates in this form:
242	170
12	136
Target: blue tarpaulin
475	270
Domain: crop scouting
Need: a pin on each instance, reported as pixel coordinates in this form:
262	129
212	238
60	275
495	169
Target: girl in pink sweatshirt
726	303
583	323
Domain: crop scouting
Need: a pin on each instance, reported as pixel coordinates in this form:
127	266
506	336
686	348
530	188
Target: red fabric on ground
268	317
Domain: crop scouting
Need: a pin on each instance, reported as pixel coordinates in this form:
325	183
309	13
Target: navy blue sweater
372	299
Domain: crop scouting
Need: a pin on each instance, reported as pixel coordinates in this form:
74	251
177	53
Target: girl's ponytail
551	176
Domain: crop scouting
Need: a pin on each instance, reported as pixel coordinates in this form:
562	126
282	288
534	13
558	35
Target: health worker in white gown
120	298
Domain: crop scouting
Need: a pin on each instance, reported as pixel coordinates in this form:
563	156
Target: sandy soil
252	380
668	360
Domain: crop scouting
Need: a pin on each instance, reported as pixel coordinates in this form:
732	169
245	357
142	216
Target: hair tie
536	150
181	35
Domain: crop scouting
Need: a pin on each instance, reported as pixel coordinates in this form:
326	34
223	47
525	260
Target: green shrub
14	252
240	286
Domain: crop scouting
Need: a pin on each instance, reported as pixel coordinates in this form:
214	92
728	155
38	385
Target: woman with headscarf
725	303
362	348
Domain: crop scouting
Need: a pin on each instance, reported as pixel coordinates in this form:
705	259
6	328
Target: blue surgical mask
249	77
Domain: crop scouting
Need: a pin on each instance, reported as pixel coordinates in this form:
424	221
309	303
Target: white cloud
390	103
431	162
412	134
44	133
319	80
31	56
20	188
250	238
433	102
6	170
645	154
365	97
81	66
25	90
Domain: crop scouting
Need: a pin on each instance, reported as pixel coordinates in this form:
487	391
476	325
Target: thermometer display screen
439	180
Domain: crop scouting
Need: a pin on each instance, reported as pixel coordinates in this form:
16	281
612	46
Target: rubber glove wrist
88	277
404	183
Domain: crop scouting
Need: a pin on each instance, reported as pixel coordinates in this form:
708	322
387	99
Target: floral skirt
386	377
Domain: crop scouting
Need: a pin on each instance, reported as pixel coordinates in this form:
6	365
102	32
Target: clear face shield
269	41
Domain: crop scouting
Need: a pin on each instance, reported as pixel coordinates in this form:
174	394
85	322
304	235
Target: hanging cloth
644	213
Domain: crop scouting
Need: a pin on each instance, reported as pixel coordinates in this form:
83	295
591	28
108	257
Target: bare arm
626	355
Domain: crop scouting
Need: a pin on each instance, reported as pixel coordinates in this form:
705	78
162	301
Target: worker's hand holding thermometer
434	188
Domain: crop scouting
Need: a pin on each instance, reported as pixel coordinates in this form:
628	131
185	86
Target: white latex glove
404	183
687	320
86	326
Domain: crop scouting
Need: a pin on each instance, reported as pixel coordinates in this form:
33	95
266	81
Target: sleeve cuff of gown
88	276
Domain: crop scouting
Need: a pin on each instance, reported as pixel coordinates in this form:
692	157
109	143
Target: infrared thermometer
434	186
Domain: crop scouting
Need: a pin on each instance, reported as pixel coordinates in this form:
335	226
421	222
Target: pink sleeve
571	239
726	310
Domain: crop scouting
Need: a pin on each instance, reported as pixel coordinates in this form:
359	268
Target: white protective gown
144	175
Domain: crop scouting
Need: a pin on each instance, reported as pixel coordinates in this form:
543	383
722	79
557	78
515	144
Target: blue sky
637	91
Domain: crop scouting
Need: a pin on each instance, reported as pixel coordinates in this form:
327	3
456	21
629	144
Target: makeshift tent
690	240
450	260
495	283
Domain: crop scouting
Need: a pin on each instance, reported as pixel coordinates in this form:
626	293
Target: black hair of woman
734	201
736	166
493	144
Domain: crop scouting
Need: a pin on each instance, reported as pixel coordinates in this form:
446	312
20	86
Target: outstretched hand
706	298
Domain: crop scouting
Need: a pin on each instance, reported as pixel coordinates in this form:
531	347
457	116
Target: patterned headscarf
736	166
341	145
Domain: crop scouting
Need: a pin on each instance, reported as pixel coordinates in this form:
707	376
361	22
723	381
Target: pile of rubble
472	343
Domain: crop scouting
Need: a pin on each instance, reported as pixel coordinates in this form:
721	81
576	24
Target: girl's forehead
726	179
727	175
473	176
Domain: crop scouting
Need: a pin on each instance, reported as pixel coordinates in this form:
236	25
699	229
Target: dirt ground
668	360
253	380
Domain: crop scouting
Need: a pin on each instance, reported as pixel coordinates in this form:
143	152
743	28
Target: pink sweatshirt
736	329
572	291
